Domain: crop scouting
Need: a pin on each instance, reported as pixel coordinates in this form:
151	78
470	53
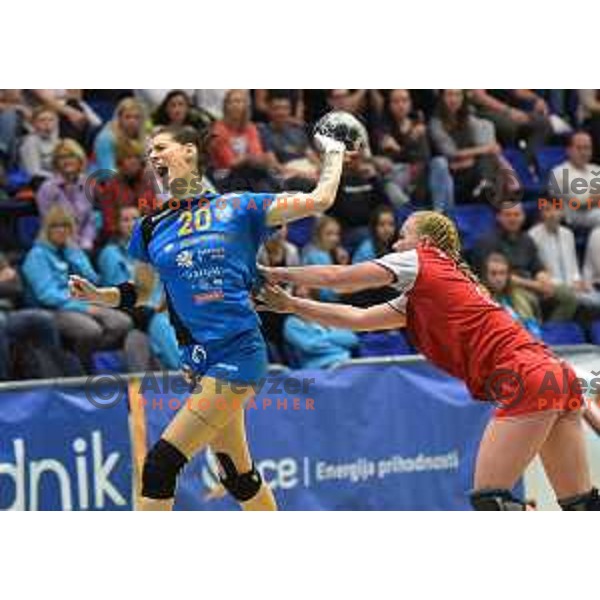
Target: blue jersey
205	255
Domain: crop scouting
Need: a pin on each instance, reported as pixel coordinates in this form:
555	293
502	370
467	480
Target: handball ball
343	127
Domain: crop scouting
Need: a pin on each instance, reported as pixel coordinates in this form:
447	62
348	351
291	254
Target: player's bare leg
508	447
231	443
194	427
565	460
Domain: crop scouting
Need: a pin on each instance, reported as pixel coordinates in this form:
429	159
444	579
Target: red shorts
538	384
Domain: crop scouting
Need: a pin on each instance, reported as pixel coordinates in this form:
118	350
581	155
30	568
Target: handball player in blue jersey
204	248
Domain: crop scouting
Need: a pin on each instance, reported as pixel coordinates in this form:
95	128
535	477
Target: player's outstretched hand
82	289
275	274
273	298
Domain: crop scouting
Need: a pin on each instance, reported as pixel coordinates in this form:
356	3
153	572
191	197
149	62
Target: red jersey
455	325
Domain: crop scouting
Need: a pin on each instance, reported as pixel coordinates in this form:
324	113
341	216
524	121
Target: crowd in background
453	151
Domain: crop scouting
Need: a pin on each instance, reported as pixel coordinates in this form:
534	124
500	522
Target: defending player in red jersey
453	321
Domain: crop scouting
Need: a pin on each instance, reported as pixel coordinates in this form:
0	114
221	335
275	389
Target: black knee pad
490	500
586	502
161	469
243	487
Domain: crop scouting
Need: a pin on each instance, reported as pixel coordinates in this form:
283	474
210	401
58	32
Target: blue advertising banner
362	437
60	452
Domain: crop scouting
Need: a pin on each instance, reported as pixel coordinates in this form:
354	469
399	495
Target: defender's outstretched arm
353	278
376	318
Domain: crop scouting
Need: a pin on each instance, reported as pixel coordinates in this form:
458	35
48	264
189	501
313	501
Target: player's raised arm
343	279
289	207
336	133
376	318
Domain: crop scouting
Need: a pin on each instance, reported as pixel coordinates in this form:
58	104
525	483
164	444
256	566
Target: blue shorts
241	359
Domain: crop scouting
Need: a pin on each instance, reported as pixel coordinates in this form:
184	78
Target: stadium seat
562	334
473	222
518	162
108	362
403	213
548	158
103	108
16	179
27	230
596	333
380	345
300	232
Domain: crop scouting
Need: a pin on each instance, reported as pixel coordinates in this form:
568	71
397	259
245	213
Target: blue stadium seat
104	109
548	158
28	227
379	345
518	161
300	232
474	221
596	333
403	212
16	179
109	362
562	334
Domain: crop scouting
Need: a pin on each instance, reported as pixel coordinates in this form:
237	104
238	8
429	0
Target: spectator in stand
360	192
326	249
152	99
237	153
77	118
468	143
33	327
556	248
116	267
366	104
177	109
383	233
210	102
557	302
13	112
47	268
497	276
37	148
277	252
589	116
410	172
126	188
519	116
262	104
81	123
127	124
316	346
576	183
67	187
591	267
287	144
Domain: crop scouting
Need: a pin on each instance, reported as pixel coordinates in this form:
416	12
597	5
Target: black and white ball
343	127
